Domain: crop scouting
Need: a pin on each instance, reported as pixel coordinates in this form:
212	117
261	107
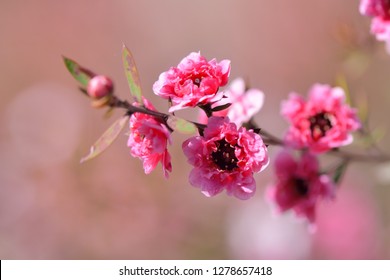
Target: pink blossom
225	158
375	8
321	123
379	10
381	29
350	228
245	103
299	185
148	140
195	81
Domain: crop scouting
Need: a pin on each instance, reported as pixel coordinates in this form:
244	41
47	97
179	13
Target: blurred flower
225	158
148	140
321	123
381	28
254	233
244	103
299	185
195	81
375	8
350	227
380	24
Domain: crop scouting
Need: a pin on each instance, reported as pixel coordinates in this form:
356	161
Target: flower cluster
379	10
225	156
227	148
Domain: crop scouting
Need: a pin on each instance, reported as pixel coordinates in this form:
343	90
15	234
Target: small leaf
109	112
181	125
81	74
341	81
378	134
357	63
106	139
362	105
221	107
132	75
339	172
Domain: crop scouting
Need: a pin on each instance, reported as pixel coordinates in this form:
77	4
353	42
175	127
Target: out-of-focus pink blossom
299	185
195	81
375	8
148	140
225	158
321	123
350	227
245	103
379	10
381	28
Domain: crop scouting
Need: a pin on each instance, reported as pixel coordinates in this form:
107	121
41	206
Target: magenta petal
300	186
285	164
194	81
225	158
148	141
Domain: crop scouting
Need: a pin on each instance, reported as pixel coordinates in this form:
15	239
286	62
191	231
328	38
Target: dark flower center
224	157
301	187
320	124
197	81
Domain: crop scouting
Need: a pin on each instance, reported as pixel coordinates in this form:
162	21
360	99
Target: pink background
51	207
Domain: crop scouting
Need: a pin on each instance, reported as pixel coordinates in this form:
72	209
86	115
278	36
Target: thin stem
117	103
269	138
360	157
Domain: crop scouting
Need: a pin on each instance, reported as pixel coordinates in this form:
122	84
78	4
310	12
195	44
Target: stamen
224	157
197	81
320	124
301	186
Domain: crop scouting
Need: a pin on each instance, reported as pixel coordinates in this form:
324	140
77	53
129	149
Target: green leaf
357	63
132	75
107	138
339	172
109	112
362	105
81	74
341	81
181	125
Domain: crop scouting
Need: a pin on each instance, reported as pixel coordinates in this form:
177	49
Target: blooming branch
227	147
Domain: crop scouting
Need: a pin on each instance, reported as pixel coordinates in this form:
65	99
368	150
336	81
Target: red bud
99	87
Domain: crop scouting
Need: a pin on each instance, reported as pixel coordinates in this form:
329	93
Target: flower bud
100	86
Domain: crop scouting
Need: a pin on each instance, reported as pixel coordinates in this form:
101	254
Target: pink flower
245	103
380	25
381	29
321	123
225	158
195	81
148	140
299	185
375	8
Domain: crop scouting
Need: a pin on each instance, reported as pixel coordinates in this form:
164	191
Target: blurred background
52	207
